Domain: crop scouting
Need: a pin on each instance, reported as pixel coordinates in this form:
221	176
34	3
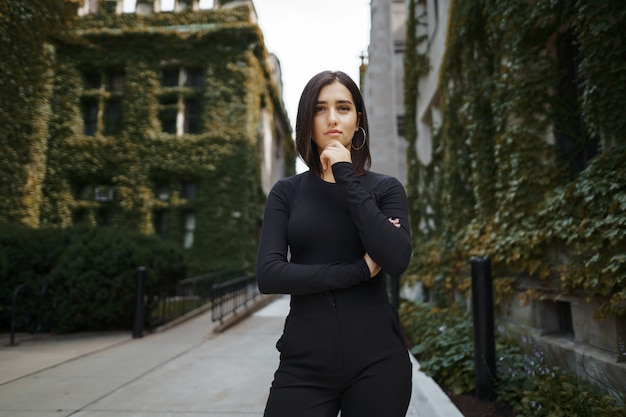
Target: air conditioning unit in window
103	194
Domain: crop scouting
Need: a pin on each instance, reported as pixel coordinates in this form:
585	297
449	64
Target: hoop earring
362	143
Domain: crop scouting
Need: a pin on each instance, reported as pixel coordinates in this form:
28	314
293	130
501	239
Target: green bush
443	344
90	272
442	340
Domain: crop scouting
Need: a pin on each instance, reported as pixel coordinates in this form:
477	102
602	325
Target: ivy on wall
220	160
529	92
25	82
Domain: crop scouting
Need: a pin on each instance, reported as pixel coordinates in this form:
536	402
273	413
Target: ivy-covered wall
529	163
99	139
25	91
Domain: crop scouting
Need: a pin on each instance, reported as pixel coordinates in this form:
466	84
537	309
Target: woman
341	225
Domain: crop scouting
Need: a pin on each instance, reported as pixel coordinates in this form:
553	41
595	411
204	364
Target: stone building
383	88
493	178
165	118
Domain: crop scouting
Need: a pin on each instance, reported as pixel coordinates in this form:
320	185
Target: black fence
165	304
33	309
228	297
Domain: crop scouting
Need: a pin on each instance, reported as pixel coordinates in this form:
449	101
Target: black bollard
484	336
140	290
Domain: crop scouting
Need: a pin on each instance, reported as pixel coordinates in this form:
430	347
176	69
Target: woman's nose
332	118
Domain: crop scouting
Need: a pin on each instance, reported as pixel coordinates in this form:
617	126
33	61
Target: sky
310	36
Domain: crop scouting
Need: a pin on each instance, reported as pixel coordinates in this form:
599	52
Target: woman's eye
344	108
319	109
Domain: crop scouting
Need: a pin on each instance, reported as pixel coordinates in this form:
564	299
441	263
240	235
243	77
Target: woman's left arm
388	245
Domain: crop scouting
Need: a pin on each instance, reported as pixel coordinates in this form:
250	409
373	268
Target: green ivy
498	184
25	82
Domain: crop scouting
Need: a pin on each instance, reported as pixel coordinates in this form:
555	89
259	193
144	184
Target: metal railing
33	311
227	297
168	303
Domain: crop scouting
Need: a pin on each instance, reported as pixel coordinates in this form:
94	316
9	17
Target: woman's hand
373	266
395	222
334	152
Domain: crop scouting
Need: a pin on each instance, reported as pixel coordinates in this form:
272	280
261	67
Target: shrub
90	272
443	342
434	331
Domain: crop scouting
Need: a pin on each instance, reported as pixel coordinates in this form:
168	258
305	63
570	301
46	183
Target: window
103	194
83	192
163	192
92	202
160	223
169	77
174	205
167	5
169	114
89	109
189	227
101	103
399	47
112	117
194	77
192	116
400	125
129	6
564	311
177	6
88	7
92	80
116	81
180	106
189	190
206	4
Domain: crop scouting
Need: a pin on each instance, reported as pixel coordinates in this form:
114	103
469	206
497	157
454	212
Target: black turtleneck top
315	233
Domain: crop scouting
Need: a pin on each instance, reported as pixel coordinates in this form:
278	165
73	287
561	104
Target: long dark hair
361	158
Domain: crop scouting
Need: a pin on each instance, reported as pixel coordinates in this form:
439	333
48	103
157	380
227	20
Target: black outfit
342	348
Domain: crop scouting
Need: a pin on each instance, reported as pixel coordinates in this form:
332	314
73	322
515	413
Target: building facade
383	88
167	121
515	138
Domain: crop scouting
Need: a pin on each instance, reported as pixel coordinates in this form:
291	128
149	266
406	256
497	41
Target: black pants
341	350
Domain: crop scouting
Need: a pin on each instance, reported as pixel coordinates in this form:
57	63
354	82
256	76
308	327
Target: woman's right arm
276	275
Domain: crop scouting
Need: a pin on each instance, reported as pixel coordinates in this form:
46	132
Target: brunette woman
328	234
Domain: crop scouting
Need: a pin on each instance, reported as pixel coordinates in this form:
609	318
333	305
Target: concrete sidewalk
185	371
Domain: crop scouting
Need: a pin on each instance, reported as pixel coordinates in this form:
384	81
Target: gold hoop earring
364	139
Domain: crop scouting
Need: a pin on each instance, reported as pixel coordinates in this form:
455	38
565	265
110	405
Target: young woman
327	236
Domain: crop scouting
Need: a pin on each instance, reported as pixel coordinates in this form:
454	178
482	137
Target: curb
427	398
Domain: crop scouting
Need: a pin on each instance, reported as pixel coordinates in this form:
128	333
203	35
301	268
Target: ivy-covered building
515	125
167	122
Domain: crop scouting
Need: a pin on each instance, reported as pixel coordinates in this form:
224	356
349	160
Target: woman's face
335	117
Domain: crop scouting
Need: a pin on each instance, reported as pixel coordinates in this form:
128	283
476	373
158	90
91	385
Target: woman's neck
328	176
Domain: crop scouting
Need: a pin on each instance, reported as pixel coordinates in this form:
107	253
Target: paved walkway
185	371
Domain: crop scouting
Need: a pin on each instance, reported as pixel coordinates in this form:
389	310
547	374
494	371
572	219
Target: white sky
309	36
